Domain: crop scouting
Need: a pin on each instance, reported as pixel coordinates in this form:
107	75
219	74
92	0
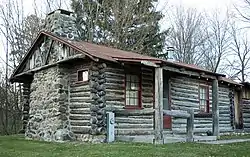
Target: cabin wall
26	106
48	115
62	108
185	95
79	102
97	82
136	124
246	114
226	109
245	92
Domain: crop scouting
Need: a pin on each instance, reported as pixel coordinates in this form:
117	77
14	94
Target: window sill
133	108
203	115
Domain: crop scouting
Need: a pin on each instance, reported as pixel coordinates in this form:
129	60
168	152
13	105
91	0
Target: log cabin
243	110
69	85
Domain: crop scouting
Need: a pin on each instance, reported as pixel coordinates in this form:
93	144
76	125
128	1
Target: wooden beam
148	63
126	112
188	72
78	56
50	48
158	117
176	113
215	108
190	126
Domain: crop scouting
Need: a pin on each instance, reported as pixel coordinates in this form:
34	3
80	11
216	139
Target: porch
163	113
163	107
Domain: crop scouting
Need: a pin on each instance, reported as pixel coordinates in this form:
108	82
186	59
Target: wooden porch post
190	126
158	118
215	108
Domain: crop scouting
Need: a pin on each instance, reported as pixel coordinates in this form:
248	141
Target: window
133	91
82	75
204	98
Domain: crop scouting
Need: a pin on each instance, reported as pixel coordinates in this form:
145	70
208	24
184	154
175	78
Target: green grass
15	146
235	136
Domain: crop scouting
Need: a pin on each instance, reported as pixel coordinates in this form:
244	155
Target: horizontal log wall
246	113
225	119
79	103
185	95
26	104
141	124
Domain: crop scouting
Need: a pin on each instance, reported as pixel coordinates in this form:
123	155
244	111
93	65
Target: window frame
82	70
139	105
207	100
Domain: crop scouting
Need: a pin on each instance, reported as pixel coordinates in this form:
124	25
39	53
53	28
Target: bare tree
243	10
240	64
17	32
187	35
43	7
218	41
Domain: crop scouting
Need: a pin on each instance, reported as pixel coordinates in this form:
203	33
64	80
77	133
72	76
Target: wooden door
167	120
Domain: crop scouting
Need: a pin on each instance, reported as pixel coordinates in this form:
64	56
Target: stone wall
49	109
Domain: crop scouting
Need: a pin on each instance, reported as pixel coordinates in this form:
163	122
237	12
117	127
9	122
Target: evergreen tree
125	24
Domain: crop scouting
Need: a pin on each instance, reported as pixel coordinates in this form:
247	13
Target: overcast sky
164	5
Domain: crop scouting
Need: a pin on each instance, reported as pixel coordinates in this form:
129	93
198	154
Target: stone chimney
62	23
48	115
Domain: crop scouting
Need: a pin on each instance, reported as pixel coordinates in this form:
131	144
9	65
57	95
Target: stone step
79	117
80	123
81	129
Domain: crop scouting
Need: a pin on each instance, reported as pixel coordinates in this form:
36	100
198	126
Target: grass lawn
15	146
240	136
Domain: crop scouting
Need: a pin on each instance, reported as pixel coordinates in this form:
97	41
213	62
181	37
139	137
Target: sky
200	5
164	5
